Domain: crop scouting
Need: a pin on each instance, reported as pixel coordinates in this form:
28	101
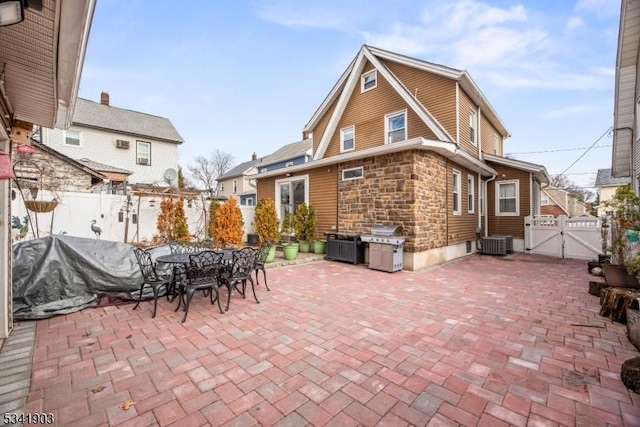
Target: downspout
486	204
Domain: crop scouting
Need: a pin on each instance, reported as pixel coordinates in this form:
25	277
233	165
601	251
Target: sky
246	76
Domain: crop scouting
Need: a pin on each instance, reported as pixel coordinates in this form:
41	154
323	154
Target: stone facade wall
405	188
57	175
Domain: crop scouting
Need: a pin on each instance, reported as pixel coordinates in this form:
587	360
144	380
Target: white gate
563	237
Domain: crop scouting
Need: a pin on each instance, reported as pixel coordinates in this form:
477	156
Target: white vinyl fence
116	216
563	237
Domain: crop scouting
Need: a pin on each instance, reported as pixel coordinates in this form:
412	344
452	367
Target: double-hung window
347	139
507	198
456	184
72	138
471	193
369	80
396	127
235	186
143	153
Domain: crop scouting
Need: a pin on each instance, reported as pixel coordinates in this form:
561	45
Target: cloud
573	24
600	8
300	15
572	111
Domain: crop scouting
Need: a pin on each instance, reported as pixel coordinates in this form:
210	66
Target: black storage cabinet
345	247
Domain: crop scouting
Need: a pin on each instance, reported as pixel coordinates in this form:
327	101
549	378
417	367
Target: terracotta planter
617	276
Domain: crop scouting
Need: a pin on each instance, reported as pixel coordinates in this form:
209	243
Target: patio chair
151	278
203	273
242	267
261	258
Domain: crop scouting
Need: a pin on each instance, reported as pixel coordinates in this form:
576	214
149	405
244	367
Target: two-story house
130	145
401	141
236	182
607	186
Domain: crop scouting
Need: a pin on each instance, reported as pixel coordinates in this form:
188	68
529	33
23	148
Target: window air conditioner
121	143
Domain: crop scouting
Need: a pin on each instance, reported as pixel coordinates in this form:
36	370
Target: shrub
172	223
213	208
304	222
228	224
265	221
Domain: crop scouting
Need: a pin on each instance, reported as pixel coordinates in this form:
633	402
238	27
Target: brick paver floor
482	341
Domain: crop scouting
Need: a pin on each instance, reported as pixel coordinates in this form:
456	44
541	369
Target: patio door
290	193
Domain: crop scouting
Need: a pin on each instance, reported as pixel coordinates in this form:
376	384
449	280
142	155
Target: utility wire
561	149
588	149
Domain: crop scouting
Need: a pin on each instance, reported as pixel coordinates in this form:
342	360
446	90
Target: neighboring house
289	155
141	143
237	183
626	148
41	60
406	142
556	201
62	172
607	186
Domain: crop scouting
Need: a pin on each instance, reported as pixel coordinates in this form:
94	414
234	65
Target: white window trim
498	184
362	77
386	125
352	169
138	142
289	179
64	140
353	130
471	194
456	191
473	124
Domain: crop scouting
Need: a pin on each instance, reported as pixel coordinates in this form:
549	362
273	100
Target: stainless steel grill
386	247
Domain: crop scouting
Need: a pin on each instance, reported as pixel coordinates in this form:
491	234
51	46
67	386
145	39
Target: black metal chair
261	259
151	278
203	273
242	267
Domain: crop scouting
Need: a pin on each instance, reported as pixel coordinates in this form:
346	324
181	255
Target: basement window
353	173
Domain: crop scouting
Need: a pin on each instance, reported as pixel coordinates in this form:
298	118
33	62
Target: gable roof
103	167
288	152
538	171
77	164
605	179
343	89
238	170
106	117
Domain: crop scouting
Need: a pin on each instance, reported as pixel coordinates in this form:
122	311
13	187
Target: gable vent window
121	143
369	81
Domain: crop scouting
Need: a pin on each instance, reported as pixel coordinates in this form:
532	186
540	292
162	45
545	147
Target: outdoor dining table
184	259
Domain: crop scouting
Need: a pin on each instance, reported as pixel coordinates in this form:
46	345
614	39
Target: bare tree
561	181
206	170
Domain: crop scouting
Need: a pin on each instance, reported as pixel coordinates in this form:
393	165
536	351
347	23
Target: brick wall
406	188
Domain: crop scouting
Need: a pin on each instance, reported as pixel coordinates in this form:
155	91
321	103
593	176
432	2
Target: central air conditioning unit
493	245
121	143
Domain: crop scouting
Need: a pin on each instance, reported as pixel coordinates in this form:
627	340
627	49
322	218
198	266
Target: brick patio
484	341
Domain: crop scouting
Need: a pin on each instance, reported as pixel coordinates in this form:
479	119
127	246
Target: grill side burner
386	247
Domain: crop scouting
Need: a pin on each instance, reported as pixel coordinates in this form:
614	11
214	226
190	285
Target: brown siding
509	225
366	112
466	106
436	93
487	131
461	228
322	194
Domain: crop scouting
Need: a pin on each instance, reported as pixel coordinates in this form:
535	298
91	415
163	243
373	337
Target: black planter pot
617	276
594	267
604	258
252	239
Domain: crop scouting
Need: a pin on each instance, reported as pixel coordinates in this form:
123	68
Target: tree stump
631	374
615	302
595	288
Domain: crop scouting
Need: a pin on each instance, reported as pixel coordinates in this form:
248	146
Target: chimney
254	156
104	98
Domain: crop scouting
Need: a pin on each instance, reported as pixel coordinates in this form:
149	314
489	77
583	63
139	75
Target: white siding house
143	144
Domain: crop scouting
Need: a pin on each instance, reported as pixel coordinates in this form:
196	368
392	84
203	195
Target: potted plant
290	250
305	225
624	224
286	231
266	224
